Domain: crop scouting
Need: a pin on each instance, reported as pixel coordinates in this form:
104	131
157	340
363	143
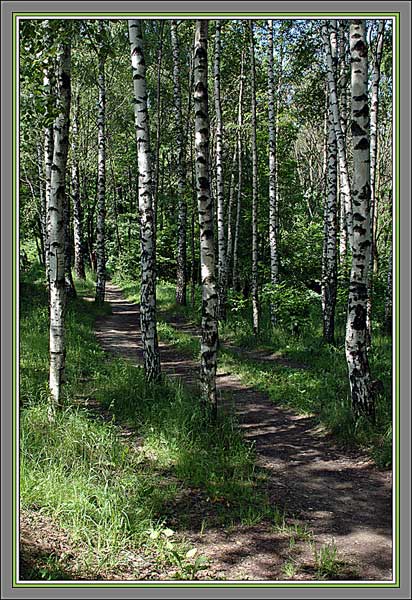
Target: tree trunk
181	172
56	229
42	208
221	237
343	105
255	299
340	139
273	209
376	75
209	342
388	299
77	207
48	163
69	283
158	126
148	276
235	274
329	264
355	346
229	246
101	180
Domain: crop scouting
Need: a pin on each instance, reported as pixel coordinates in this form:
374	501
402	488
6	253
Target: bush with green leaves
293	305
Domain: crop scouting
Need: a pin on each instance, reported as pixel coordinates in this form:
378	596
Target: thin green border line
396	245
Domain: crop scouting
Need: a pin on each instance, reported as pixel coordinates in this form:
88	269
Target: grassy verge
126	467
305	373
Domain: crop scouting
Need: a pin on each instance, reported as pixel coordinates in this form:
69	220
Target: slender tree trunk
209	342
158	126
69	283
101	181
181	168
77	207
255	299
192	218
376	74
116	191
343	112
340	139
229	246
42	208
235	273
273	209
388	299
148	322
48	162
329	264
56	229
221	237
356	342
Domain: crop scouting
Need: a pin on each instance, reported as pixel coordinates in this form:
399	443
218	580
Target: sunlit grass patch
111	488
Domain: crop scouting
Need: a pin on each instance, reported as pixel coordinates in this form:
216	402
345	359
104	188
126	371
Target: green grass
314	382
111	491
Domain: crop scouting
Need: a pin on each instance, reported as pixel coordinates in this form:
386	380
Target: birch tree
221	237
208	348
158	126
273	209
101	171
329	263
356	338
235	273
68	276
255	300
343	113
148	276
77	207
337	123
181	172
48	162
388	299
376	75
57	227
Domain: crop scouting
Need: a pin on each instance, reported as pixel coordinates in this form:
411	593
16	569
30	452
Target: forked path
340	496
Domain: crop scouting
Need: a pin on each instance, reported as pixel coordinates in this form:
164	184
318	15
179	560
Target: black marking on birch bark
356	130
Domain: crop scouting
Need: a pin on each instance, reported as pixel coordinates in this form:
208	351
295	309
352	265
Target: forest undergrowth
116	493
296	369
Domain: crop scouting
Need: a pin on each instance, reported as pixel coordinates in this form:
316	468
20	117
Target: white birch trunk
148	276
343	106
255	299
101	174
221	237
209	341
56	229
356	339
229	246
235	274
273	209
376	75
329	265
388	299
48	163
77	208
181	173
340	138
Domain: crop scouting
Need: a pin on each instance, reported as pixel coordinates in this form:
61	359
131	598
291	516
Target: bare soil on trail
340	496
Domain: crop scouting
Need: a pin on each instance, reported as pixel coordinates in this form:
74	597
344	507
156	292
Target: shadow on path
341	496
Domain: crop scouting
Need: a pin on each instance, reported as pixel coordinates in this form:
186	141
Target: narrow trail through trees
339	495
